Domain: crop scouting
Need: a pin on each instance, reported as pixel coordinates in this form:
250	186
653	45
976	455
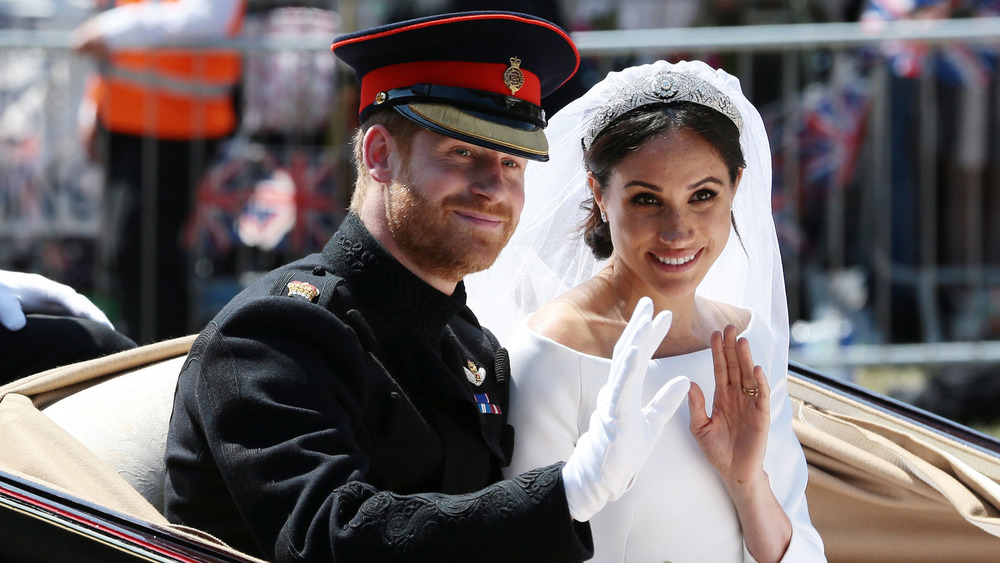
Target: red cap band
475	76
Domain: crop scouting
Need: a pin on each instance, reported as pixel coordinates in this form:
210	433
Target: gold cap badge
302	290
513	77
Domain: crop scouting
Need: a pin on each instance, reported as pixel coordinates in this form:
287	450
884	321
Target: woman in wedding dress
667	169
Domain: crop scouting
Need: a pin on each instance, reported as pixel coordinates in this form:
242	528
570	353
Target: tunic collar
376	276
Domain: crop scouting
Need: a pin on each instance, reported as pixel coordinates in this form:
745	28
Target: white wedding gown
678	510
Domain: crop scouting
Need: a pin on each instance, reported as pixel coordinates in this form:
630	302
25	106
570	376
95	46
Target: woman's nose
675	225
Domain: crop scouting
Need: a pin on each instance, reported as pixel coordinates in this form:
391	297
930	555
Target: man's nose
488	179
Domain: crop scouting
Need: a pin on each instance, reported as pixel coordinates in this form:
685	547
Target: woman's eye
704	195
644	199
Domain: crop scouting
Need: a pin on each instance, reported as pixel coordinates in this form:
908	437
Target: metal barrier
891	252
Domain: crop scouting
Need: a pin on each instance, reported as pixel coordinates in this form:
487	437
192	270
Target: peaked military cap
474	76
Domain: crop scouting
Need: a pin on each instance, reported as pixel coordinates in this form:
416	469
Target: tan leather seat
124	422
96	429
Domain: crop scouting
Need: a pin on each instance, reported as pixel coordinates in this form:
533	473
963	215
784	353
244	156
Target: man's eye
463	152
510	163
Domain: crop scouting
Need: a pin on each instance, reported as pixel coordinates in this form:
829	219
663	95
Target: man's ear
377	148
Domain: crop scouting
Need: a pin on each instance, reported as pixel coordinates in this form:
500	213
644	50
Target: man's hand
622	431
22	294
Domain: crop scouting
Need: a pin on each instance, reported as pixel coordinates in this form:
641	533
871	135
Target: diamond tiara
664	86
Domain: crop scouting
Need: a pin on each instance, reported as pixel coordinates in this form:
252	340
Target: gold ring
753	392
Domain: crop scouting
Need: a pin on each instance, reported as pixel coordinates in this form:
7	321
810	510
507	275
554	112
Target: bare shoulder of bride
723	314
571	321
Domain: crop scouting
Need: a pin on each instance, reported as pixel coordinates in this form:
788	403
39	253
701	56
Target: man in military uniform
349	406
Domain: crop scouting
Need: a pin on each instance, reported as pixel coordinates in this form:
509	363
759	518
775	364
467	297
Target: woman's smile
677	263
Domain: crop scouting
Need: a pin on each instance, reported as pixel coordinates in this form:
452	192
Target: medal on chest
484	405
474	374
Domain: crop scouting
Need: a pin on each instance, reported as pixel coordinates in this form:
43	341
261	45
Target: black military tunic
321	415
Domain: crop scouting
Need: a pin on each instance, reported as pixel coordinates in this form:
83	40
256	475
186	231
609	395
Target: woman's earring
604	217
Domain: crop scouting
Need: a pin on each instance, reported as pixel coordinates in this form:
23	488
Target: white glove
21	294
622	432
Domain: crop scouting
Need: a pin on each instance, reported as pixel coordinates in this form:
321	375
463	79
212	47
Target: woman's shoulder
722	314
570	320
561	320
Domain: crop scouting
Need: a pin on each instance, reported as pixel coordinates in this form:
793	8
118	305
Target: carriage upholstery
115	395
880	488
132	435
96	430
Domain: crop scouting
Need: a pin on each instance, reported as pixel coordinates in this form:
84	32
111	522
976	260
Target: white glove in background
22	294
622	431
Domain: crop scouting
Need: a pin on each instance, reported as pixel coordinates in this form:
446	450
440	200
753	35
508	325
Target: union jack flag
221	194
269	213
274	198
952	64
318	209
828	127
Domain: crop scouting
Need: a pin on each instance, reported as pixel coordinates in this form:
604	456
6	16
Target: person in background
45	324
153	118
941	113
349	406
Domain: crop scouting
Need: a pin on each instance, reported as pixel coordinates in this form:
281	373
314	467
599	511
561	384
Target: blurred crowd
210	208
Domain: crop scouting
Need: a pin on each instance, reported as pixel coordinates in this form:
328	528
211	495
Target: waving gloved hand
622	431
21	294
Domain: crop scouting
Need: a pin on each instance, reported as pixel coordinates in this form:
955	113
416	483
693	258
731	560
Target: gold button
380	97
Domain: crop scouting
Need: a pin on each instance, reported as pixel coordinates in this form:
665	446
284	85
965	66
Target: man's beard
430	236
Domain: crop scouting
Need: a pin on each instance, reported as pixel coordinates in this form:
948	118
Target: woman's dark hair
631	130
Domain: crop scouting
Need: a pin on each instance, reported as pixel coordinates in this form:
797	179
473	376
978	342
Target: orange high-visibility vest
175	94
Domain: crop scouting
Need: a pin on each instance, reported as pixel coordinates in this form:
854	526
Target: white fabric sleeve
544	401
786	468
150	24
